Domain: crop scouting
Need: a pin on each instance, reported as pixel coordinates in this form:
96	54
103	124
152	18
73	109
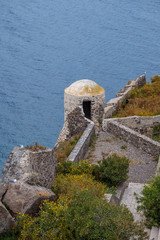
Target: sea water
47	45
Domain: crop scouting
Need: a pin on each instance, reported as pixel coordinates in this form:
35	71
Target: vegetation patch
112	170
68	167
36	147
144	101
71	185
150	202
156	133
93	141
11	235
123	147
66	147
81	212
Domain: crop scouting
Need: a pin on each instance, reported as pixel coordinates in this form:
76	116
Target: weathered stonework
81	147
142	125
131	136
97	103
36	168
75	123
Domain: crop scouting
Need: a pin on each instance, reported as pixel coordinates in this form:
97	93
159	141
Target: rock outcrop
20	197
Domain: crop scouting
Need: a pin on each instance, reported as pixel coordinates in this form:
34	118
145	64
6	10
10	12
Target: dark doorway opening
87	109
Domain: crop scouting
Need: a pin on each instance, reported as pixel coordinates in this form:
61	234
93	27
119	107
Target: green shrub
85	217
72	184
150	202
112	170
123	147
49	225
68	167
156	133
12	235
91	217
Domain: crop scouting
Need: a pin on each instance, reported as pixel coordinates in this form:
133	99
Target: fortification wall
113	105
36	168
131	136
75	123
143	125
81	147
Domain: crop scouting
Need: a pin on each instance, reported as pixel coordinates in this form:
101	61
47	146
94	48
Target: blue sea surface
47	45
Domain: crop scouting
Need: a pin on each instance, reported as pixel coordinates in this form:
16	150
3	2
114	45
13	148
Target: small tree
150	202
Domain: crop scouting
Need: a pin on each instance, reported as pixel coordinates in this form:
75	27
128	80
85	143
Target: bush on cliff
112	170
150	202
68	167
84	217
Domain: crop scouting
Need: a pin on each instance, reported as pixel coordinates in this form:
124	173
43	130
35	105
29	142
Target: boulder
24	198
3	189
6	220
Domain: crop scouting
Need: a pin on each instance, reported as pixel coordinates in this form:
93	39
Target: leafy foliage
68	167
72	184
84	217
112	170
12	235
156	133
150	202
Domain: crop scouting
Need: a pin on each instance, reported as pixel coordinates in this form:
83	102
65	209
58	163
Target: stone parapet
81	147
36	168
143	125
129	135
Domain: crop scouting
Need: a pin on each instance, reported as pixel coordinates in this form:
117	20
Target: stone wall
131	136
113	105
143	125
36	168
75	123
81	147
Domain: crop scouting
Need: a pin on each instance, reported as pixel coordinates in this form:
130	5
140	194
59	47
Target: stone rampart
36	168
113	105
81	147
143	125
131	136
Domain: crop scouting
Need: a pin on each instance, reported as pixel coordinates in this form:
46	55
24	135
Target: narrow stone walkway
142	165
129	199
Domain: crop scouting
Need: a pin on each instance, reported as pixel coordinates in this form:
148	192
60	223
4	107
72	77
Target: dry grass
144	101
35	147
66	147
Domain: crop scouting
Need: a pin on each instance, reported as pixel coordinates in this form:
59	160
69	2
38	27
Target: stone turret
85	94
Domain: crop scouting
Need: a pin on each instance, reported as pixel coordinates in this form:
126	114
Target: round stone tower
86	94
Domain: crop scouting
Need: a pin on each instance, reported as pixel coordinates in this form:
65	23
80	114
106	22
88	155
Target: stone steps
129	200
155	234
